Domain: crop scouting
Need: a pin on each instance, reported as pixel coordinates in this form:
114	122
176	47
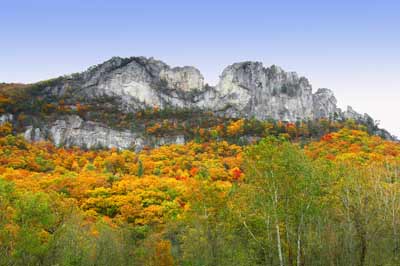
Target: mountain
81	108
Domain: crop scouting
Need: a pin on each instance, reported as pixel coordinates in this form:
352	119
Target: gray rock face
324	104
33	134
166	140
351	114
245	89
183	78
250	90
137	82
73	131
6	118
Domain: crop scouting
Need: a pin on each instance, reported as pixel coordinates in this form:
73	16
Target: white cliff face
138	82
33	134
324	104
351	114
245	89
183	78
73	131
230	90
6	118
132	82
250	90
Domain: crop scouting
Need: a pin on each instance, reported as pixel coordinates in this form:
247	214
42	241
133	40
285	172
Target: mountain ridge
189	79
245	90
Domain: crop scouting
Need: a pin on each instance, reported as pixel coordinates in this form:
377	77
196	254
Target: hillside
124	102
201	203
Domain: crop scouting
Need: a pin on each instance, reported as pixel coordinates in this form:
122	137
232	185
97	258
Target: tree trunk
298	249
278	234
278	242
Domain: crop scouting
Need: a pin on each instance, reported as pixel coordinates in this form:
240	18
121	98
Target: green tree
282	195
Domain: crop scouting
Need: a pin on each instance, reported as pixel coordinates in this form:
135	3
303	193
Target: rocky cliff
73	131
245	89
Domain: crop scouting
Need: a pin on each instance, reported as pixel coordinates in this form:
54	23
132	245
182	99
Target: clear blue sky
351	47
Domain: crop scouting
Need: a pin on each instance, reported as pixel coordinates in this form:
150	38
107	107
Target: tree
283	196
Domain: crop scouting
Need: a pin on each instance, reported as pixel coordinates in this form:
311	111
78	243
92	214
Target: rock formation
71	131
246	89
6	118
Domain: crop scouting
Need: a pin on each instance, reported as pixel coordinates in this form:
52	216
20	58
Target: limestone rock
245	89
324	104
137	82
33	134
183	78
72	131
351	114
6	118
248	89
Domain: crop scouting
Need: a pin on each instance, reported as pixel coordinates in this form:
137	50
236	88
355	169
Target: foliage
207	202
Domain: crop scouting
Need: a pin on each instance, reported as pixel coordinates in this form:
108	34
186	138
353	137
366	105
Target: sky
351	47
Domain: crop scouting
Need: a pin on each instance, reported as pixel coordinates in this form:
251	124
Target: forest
279	200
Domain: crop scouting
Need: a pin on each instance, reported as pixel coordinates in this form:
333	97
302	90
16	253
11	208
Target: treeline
334	202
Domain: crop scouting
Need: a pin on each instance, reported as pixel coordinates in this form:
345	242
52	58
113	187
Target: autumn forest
280	200
199	133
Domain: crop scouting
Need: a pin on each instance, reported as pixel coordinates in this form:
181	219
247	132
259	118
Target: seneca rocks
246	89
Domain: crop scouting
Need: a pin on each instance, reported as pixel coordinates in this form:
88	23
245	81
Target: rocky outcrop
6	118
249	90
185	79
72	131
136	83
245	89
350	113
324	104
33	134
